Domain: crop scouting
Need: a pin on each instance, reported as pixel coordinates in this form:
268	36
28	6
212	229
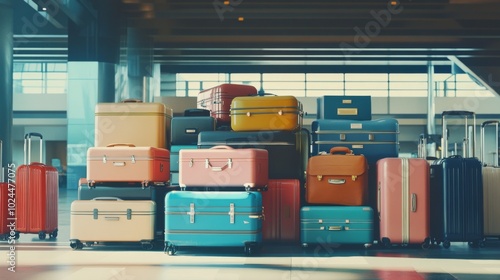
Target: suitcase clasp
104	159
354	177
249	114
191	213
280	112
342	137
231	213
191	163
133	159
320	177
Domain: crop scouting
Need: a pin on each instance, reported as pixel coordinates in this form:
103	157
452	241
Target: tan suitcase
112	220
491	187
141	124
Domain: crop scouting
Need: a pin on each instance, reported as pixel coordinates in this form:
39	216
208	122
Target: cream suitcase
141	124
112	220
491	187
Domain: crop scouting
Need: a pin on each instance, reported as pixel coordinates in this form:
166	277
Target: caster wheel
171	250
305	245
426	244
386	242
249	250
41	235
53	234
76	245
446	244
147	246
89	244
16	235
367	245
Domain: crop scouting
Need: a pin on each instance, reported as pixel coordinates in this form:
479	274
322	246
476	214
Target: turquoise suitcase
331	225
212	219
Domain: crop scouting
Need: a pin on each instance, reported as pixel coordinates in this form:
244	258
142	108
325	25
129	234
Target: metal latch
129	214
342	137
104	159
371	137
191	163
320	177
96	213
354	177
133	159
231	213
320	221
191	213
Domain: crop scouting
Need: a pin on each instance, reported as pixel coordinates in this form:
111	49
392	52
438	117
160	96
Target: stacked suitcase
121	199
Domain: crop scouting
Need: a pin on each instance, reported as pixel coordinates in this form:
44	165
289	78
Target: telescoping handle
483	141
468	140
27	146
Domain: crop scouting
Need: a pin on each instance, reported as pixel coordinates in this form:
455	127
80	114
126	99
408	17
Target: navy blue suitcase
344	107
375	139
284	155
209	219
185	130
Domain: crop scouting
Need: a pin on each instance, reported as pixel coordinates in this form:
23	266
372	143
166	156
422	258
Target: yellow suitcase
254	113
137	123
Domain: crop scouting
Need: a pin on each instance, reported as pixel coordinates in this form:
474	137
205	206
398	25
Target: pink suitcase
403	201
223	166
127	163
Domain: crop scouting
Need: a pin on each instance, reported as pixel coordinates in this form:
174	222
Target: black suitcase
195	112
457	193
284	155
129	191
185	130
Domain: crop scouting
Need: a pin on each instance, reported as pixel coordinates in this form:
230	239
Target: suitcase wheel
41	235
446	244
476	244
170	249
386	242
76	245
250	249
367	245
53	234
426	244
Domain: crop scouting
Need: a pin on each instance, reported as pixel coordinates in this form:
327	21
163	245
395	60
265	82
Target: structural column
6	51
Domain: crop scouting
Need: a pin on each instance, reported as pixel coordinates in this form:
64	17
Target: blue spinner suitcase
174	161
375	139
209	219
345	107
185	130
331	225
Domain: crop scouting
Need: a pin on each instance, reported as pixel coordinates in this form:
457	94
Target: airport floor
53	259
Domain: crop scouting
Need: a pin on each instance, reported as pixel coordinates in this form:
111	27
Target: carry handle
466	141
413	202
229	164
483	142
27	146
107	198
120	145
458	113
131	100
221	147
345	150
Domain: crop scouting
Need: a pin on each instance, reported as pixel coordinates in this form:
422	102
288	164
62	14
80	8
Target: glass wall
40	77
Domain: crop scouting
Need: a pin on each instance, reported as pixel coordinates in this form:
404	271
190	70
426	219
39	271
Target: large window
40	78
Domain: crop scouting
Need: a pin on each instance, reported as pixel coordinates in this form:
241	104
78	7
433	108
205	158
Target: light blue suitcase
210	219
328	225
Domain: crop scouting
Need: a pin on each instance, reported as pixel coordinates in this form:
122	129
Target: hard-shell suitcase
344	107
174	161
185	130
256	113
213	219
403	201
137	123
37	194
457	192
223	166
126	163
375	139
284	158
491	185
303	140
340	179
329	225
218	100
195	112
281	203
112	220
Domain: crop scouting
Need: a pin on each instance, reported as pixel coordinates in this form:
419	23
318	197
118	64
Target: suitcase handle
228	164
345	150
221	147
131	100
27	146
120	145
107	198
483	139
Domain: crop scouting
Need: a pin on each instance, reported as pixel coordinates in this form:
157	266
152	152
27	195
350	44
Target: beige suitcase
141	124
491	187
112	220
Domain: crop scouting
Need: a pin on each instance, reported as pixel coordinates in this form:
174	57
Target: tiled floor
54	259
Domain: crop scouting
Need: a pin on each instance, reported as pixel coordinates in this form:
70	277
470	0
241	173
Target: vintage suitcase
218	100
403	201
344	107
37	194
284	158
328	225
491	186
185	130
457	192
303	138
340	179
281	203
195	112
375	139
229	219
223	166
126	163
174	161
112	220
257	113
137	123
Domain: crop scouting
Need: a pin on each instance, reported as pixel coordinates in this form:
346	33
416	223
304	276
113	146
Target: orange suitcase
218	100
403	201
223	166
256	113
126	163
340	179
37	195
137	123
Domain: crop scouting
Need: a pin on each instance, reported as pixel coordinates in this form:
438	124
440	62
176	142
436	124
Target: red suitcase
127	163
281	204
218	100
223	166
37	194
403	201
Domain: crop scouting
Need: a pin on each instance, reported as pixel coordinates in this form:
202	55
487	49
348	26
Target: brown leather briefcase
340	179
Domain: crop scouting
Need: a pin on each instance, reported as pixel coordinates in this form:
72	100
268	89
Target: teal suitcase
333	225
213	219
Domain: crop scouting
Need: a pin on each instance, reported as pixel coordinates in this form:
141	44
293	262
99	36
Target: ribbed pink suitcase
126	163
223	166
403	201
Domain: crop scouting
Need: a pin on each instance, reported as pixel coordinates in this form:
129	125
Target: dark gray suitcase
185	130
